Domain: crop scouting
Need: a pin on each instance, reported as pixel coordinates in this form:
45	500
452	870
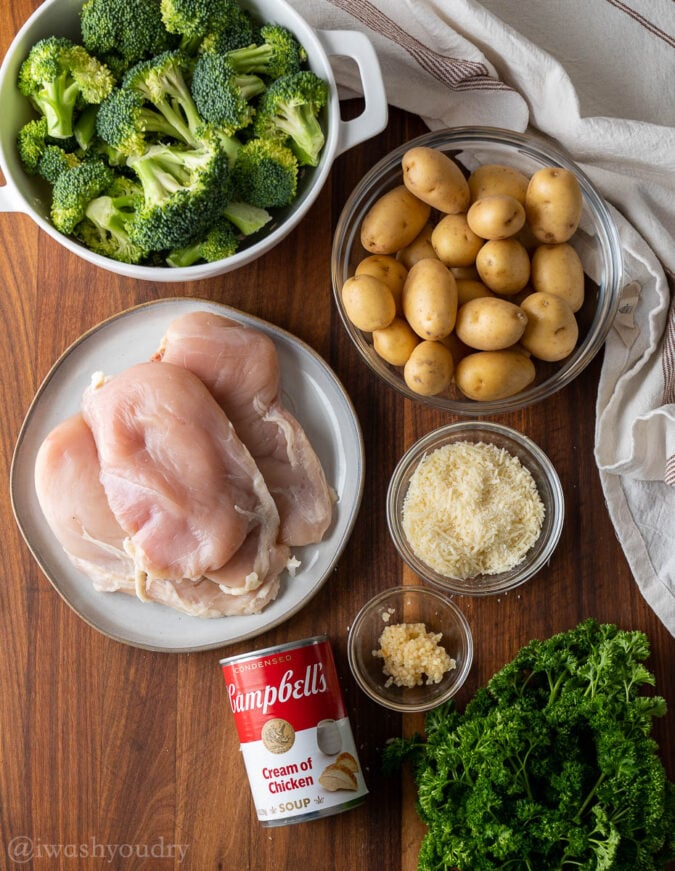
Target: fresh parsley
551	767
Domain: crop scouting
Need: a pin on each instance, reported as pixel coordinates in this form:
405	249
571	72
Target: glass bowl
596	241
531	458
409	604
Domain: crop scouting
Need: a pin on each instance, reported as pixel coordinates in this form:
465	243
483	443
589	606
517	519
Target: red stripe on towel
644	22
456	73
669	347
669	477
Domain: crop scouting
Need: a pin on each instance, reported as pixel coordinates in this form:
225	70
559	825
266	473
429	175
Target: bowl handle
10	201
373	119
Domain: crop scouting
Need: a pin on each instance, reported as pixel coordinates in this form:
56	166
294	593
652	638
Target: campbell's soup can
295	735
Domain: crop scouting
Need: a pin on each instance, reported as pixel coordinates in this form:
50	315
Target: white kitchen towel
598	79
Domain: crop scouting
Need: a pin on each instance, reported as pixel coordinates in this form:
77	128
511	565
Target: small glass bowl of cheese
410	648
475	508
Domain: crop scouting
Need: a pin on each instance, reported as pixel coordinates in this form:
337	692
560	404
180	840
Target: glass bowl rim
553	524
461	622
609	287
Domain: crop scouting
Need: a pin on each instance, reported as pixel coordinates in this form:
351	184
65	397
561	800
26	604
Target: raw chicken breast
239	365
72	498
204	598
76	508
178	479
239	575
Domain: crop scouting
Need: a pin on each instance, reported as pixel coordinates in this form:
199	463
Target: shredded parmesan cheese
409	652
471	509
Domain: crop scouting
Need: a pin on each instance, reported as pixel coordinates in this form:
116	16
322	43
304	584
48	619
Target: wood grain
107	745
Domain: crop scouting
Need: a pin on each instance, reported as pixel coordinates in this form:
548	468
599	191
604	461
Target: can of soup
295	735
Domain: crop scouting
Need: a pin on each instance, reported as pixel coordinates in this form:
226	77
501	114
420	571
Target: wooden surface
104	745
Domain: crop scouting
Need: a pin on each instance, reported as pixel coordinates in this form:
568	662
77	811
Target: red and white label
295	735
299	685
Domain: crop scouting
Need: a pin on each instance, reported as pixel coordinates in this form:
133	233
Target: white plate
310	390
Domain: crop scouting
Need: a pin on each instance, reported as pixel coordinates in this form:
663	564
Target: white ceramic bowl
597	243
530	456
410	604
31	196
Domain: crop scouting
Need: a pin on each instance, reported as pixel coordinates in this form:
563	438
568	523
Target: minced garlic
409	652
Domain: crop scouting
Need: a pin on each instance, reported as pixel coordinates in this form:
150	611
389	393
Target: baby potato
386	269
435	179
553	204
496	217
470	273
430	299
469	288
393	221
527	238
490	323
558	269
454	241
368	302
429	368
419	248
503	265
395	342
489	375
492	179
552	330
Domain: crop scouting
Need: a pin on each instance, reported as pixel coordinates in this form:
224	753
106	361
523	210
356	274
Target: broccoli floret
279	54
265	174
55	161
39	155
182	188
115	64
73	191
31	142
60	78
112	156
222	96
290	108
190	18
124	32
106	222
246	218
235	28
220	242
210	25
161	82
231	145
124	118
